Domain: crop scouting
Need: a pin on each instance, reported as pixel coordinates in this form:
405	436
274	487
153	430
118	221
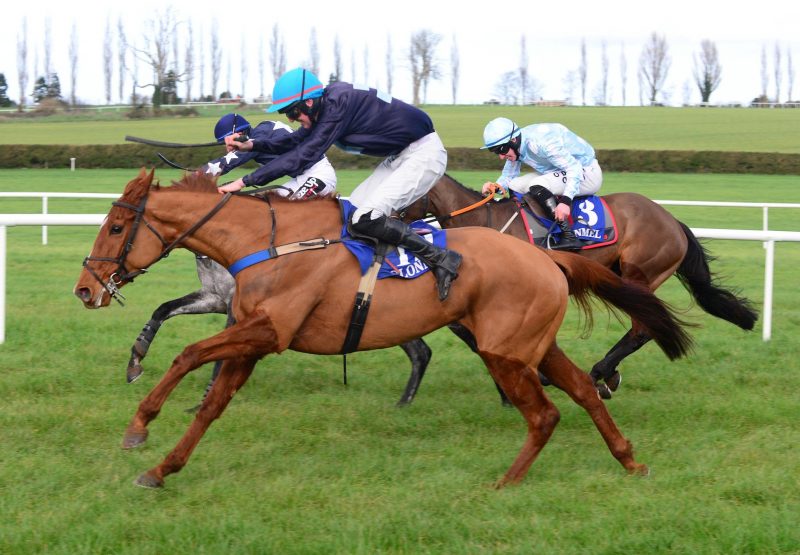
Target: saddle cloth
592	222
398	262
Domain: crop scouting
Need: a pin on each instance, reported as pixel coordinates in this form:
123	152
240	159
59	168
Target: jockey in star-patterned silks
318	179
364	121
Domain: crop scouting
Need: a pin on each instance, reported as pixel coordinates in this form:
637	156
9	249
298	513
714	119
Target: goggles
501	149
292	111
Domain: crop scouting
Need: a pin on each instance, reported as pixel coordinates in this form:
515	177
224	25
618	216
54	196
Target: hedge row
667	161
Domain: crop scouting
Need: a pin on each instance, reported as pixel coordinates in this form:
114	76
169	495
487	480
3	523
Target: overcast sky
487	34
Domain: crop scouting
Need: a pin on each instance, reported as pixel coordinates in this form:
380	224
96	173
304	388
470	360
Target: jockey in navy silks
564	164
318	179
361	121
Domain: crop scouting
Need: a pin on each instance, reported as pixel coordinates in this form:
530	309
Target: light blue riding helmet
498	132
293	86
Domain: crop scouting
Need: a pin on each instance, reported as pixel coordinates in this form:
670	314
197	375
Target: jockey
318	179
362	121
564	164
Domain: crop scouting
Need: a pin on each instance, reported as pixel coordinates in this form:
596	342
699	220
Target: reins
122	274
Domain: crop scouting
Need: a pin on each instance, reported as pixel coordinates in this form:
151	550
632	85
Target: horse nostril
84	294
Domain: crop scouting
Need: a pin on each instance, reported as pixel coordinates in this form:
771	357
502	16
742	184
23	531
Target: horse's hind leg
466	336
233	375
254	337
606	369
419	354
568	377
523	389
198	302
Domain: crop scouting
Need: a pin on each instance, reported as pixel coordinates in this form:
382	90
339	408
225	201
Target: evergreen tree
5	102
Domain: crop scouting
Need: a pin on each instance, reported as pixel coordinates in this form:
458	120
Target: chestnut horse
651	246
276	307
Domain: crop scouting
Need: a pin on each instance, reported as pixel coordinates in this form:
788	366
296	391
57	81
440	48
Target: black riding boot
548	203
442	262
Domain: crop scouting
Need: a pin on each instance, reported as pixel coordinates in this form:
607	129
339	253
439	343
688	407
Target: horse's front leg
606	369
419	354
252	338
198	302
569	378
233	374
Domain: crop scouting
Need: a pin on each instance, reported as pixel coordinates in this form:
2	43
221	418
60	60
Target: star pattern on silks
230	156
214	168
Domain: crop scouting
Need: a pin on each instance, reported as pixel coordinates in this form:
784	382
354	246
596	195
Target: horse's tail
697	278
657	319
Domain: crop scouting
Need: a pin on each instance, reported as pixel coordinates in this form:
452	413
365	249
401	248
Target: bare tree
789	73
569	83
243	67
108	55
314	51
261	67
155	52
188	60
422	57
777	73
623	72
389	64
337	59
216	59
523	69
455	70
73	64
277	52
122	51
507	88
353	77
366	65
22	61
228	86
764	74
48	48
201	69
604	65
582	71
707	70
654	65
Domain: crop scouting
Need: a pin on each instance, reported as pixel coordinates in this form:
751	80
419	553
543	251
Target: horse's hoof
613	381
134	439
639	470
134	372
603	391
149	481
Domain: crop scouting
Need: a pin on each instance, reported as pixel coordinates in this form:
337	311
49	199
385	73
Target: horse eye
115	229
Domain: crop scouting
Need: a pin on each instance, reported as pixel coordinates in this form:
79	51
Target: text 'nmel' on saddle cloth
399	262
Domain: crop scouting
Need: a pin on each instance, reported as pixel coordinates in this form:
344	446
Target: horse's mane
193	182
472	192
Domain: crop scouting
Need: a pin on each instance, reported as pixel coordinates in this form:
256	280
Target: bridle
426	202
122	274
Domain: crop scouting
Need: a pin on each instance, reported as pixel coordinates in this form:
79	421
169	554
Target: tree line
166	54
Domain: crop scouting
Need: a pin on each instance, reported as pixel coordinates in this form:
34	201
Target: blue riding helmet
230	124
293	86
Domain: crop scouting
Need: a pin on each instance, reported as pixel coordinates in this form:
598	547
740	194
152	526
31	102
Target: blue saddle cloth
398	263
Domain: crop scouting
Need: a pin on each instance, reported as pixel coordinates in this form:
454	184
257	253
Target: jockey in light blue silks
564	164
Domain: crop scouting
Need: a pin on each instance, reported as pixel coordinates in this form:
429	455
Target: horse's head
114	261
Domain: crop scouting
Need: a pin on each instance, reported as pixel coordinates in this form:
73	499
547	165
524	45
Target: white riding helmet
498	132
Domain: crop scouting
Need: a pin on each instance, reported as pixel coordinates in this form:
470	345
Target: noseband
122	274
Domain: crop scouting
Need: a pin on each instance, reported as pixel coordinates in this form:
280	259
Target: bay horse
276	307
651	246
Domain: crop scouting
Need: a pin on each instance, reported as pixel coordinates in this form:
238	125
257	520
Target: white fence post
44	227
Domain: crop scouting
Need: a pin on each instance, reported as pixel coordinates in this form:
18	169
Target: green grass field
301	464
718	129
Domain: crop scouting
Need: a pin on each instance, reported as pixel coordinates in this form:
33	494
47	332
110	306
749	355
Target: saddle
592	221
